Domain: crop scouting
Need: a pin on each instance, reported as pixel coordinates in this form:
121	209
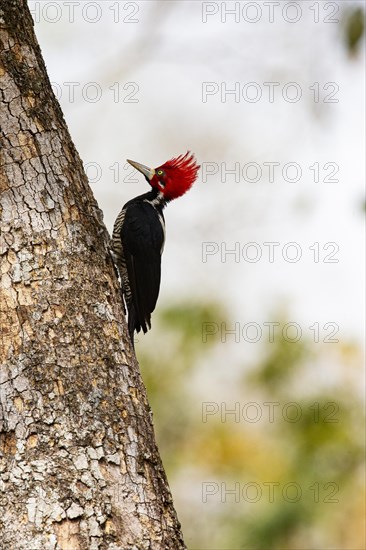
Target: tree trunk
79	466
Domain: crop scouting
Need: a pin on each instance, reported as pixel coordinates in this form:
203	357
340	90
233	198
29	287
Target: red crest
176	176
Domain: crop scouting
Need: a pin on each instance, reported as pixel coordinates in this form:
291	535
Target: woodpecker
139	235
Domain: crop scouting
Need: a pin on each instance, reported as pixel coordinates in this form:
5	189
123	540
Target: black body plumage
137	243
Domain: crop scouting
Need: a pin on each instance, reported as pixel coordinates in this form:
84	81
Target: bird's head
173	178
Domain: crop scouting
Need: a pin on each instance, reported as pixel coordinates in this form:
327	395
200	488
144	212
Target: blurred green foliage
321	450
354	25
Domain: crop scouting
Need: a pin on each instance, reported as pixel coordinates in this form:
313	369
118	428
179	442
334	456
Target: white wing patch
162	223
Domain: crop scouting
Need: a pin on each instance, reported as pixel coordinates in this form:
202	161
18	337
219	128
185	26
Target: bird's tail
135	323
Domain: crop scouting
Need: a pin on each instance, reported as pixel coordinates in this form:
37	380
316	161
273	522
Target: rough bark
79	466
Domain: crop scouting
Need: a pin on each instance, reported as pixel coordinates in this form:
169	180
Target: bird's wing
142	240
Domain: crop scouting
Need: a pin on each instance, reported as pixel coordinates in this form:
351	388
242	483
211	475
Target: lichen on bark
79	466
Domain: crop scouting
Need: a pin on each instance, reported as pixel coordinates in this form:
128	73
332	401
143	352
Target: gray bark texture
79	466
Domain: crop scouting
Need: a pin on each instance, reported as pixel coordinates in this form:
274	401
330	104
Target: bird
138	236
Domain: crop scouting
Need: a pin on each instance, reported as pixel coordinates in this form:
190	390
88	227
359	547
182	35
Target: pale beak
149	173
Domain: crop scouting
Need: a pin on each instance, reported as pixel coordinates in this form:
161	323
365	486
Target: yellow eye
160	172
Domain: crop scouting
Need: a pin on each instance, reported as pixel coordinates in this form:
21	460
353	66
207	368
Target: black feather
142	238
